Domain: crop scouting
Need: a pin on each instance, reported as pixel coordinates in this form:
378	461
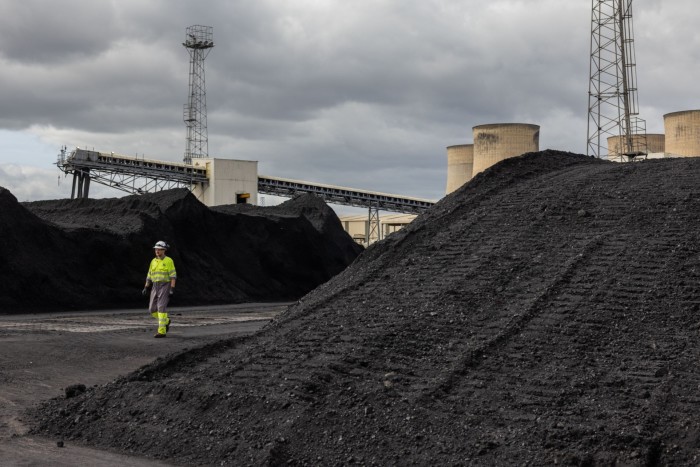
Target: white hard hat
161	245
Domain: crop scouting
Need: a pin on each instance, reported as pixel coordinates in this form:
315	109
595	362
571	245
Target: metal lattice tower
612	92
374	227
198	42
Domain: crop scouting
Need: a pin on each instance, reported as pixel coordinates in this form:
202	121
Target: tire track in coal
531	303
616	362
392	318
603	377
391	321
485	260
515	325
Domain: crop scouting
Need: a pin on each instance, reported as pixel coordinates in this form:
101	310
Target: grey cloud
35	31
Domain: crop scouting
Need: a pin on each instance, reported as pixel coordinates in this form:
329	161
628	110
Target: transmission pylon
612	94
198	42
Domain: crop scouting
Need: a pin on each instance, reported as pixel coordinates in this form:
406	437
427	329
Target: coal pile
545	313
94	253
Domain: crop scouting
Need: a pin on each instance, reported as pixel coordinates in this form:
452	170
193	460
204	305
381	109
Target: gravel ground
545	313
93	253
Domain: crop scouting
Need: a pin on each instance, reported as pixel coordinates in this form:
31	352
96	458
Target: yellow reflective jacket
161	270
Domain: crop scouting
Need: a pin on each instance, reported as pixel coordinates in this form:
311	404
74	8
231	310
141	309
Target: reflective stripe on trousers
160	296
163	321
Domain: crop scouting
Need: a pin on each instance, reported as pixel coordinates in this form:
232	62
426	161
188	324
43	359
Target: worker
160	279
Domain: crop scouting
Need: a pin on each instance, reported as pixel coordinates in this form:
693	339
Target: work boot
167	326
158	335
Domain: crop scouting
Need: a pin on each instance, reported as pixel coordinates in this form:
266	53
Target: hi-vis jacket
161	270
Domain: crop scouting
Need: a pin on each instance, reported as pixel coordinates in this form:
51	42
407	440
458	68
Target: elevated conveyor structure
130	174
343	195
374	201
138	175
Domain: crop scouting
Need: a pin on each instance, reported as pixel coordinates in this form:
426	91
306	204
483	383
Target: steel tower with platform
198	42
612	94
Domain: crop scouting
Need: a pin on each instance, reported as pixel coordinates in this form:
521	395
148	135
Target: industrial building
654	145
682	133
493	143
681	138
460	164
229	181
499	141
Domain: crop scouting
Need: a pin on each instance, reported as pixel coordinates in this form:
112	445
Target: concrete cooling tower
499	141
460	160
683	133
655	143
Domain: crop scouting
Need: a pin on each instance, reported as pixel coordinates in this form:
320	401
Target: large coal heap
544	313
94	253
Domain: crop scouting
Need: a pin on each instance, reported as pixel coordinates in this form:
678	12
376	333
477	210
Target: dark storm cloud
272	60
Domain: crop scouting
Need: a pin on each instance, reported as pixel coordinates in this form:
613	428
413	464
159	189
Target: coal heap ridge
546	312
94	253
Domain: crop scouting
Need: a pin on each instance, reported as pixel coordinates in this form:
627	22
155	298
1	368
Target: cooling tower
460	160
655	143
683	133
498	141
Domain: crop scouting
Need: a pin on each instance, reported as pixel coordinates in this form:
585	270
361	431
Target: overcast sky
359	93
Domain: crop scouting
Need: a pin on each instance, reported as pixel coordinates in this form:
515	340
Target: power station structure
681	137
613	119
460	164
682	133
228	181
493	143
613	107
198	42
499	141
655	143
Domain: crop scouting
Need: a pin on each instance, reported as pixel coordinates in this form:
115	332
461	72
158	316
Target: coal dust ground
46	354
545	313
94	253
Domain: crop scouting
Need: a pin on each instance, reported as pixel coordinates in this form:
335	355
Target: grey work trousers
160	296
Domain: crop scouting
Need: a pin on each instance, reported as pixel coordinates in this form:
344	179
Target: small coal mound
94	253
499	328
